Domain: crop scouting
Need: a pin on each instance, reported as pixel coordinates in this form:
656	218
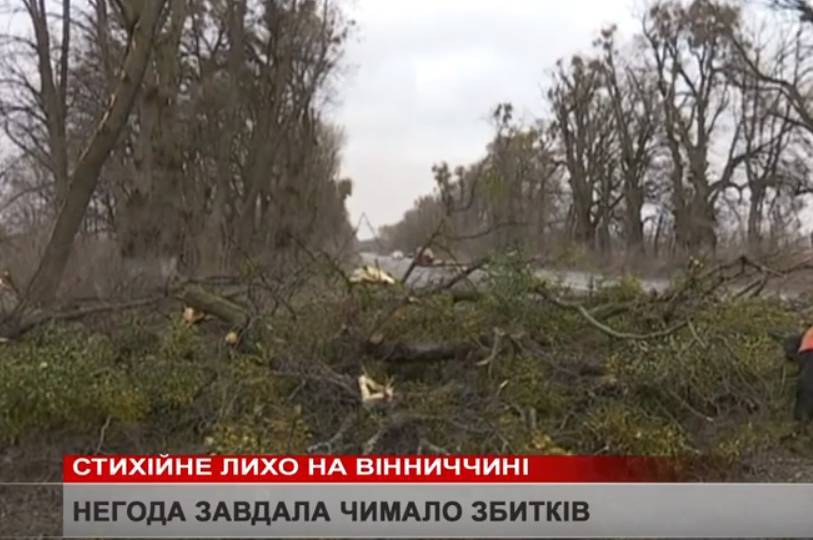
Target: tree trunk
53	93
754	232
656	239
45	283
583	227
634	202
153	217
702	233
604	237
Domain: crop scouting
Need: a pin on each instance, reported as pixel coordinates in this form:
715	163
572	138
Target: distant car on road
397	255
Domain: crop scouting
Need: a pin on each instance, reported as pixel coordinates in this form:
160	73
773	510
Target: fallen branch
608	311
578	308
25	322
496	347
318	372
425	443
331	262
418	352
754	288
102	433
465	295
219	306
457	278
328	446
388	424
727	273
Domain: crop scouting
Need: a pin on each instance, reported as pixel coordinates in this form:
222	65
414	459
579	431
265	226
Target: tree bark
222	308
633	207
152	217
754	231
45	283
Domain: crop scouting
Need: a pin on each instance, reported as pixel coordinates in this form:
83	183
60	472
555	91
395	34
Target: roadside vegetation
517	366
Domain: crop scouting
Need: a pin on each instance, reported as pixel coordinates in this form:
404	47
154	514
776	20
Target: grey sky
425	74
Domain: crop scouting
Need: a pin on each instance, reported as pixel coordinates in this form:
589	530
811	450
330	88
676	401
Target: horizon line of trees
697	130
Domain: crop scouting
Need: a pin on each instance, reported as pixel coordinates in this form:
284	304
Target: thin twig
425	443
460	276
328	446
102	434
495	348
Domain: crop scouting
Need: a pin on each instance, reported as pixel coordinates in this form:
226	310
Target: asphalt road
423	276
577	281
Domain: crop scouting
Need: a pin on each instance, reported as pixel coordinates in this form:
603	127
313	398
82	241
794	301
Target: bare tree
508	199
150	211
690	49
85	175
293	66
230	112
584	126
35	109
768	137
633	98
789	71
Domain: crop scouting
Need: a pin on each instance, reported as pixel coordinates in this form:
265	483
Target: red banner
372	469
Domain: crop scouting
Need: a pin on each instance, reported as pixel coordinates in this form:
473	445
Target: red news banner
80	469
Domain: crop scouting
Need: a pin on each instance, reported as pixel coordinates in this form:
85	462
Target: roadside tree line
187	133
692	134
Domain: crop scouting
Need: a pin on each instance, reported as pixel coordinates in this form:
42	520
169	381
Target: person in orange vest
799	349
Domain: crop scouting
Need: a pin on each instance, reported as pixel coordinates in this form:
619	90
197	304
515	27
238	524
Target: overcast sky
424	75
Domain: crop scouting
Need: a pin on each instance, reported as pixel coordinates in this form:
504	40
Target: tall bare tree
635	119
584	125
85	174
690	50
768	138
35	107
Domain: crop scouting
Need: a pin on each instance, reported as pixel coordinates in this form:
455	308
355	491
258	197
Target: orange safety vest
807	341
